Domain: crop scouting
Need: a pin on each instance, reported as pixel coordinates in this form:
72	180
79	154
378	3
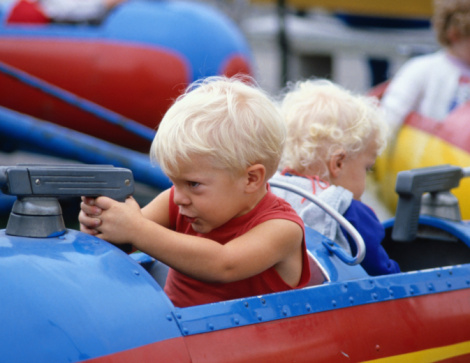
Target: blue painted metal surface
80	287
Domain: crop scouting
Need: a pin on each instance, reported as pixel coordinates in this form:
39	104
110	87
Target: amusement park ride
135	63
71	297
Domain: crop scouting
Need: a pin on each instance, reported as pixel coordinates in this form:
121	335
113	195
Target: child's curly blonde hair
322	119
451	14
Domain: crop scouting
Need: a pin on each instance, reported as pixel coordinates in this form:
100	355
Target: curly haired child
334	137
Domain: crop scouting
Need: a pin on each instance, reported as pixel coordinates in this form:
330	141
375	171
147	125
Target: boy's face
354	171
206	196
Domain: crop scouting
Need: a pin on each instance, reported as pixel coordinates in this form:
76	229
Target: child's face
208	197
354	171
461	49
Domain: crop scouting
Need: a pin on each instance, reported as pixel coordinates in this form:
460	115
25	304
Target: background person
433	85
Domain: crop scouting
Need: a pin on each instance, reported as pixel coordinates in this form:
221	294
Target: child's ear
256	175
336	164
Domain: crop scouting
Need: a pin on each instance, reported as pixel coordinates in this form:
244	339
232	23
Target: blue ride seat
332	267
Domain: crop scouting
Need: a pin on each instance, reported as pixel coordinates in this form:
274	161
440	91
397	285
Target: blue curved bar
59	141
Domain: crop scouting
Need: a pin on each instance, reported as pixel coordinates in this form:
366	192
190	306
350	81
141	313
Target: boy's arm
272	243
158	209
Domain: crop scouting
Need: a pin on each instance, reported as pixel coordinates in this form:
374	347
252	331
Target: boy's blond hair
451	14
323	119
233	122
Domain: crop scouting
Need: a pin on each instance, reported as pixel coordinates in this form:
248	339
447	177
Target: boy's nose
180	198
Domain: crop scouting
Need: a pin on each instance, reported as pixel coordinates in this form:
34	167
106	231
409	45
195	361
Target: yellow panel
410	8
429	355
416	149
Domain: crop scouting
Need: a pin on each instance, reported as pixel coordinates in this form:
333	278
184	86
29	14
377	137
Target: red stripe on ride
137	82
353	334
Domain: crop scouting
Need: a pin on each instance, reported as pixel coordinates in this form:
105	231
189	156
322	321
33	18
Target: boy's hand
89	216
109	219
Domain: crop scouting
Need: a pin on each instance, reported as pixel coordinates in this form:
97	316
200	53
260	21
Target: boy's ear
336	164
256	175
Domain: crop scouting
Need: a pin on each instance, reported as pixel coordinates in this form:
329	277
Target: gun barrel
68	180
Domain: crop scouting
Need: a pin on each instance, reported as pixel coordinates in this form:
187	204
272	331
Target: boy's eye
192	184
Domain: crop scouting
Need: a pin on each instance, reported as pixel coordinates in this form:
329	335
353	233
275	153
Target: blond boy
219	228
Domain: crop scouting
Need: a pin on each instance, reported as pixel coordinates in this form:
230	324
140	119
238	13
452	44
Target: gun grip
405	227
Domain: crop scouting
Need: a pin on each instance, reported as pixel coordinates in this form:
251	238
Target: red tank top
186	291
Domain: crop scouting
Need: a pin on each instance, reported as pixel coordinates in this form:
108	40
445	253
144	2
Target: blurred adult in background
433	85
